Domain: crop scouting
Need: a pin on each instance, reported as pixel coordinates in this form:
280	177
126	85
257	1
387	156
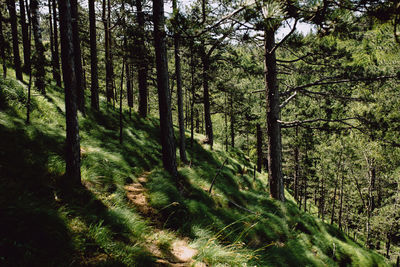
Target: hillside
129	212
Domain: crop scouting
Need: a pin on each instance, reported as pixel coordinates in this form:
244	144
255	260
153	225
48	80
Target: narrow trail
179	254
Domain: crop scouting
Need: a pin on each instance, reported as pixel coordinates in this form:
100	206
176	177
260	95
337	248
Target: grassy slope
43	224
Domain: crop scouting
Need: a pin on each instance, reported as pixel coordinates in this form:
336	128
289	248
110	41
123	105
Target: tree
167	131
39	58
14	32
2	43
94	85
142	62
78	56
25	39
72	145
55	58
182	139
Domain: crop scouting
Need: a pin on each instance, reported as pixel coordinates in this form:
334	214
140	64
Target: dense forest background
317	111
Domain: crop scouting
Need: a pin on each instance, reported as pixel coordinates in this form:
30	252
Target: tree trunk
167	131
206	98
73	161
56	63
2	45
109	85
14	33
77	56
388	246
39	59
182	138
341	202
25	38
142	62
334	202
232	121
129	89
296	167
94	83
259	148
120	100
273	113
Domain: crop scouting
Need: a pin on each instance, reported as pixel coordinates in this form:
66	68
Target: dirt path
180	254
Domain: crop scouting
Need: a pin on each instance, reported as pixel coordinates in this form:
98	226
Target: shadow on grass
35	223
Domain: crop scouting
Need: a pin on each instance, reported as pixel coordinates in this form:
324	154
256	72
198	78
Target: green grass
44	224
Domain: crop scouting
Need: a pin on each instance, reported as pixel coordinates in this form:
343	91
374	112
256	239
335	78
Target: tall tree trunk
94	82
2	44
129	89
341	201
232	121
206	97
296	167
167	131
182	138
14	33
39	59
259	148
142	63
120	100
73	161
56	62
273	113
334	202
77	56
193	96
109	90
25	38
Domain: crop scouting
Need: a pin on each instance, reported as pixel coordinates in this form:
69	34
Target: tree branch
284	38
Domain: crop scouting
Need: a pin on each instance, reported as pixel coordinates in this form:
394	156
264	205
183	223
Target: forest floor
130	212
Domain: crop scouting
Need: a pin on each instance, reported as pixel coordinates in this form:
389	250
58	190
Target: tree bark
73	161
334	202
56	63
94	83
39	59
2	45
109	85
206	98
232	121
182	138
341	201
77	56
273	113
142	63
167	131
14	33
259	148
296	167
26	46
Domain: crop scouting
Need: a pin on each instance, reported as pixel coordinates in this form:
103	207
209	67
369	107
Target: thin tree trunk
77	56
259	148
51	38
56	63
206	98
296	167
341	201
129	89
182	138
39	58
26	45
273	114
334	202
94	83
2	44
232	121
14	33
28	102
73	162
167	131
109	90
142	63
120	101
